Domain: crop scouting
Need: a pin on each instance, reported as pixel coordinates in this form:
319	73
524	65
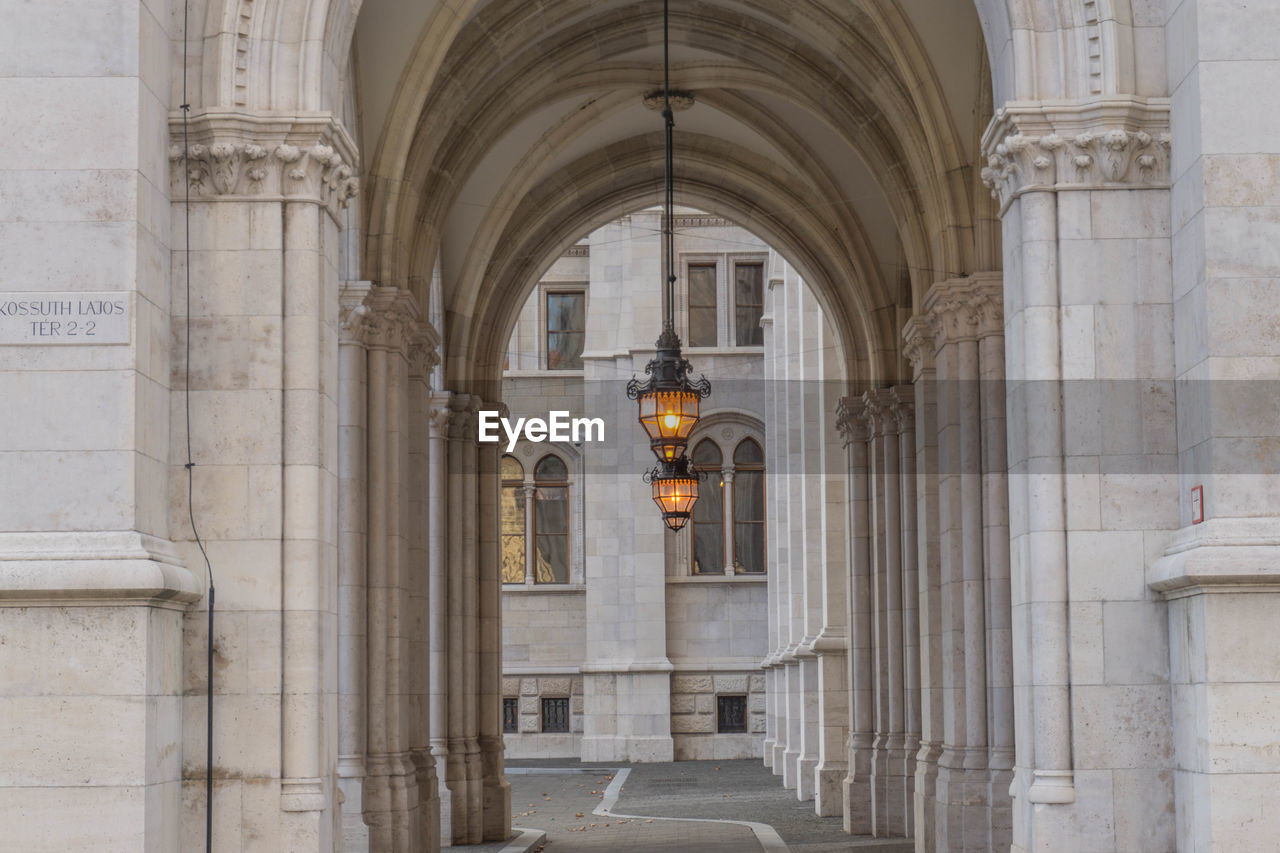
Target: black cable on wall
190	466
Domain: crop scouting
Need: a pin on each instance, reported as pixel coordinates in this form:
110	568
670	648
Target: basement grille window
555	715
731	714
510	715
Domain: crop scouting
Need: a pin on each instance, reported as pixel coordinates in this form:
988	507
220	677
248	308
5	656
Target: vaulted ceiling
843	132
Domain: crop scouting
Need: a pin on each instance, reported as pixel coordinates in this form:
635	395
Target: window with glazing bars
510	715
555	715
731	714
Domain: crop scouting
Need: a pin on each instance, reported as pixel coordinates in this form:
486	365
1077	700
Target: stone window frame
544	289
726	428
529	455
725	264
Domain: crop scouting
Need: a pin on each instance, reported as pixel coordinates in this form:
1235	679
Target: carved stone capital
1110	142
881	419
439	414
393	319
964	309
237	156
917	341
353	313
903	407
851	420
424	350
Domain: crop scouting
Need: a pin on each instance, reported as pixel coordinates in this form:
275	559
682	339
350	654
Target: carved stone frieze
1104	143
234	156
917	342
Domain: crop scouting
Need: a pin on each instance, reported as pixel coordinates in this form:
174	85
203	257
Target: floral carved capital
1107	143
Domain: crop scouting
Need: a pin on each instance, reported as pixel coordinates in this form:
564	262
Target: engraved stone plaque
74	317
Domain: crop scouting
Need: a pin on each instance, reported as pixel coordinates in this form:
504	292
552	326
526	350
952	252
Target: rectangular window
510	715
551	521
702	305
731	714
555	715
511	511
708	526
748	521
566	329
748	301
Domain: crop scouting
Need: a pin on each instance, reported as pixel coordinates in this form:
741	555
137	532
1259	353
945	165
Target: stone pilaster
391	798
440	669
353	519
857	782
918	348
1092	471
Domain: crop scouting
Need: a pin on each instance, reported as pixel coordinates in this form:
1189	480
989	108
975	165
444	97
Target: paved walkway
720	806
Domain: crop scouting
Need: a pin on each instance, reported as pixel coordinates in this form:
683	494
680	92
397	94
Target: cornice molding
237	156
1107	143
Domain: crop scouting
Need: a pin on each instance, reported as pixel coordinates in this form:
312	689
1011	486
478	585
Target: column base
497	791
828	790
351	826
805	780
925	799
856	793
961	806
767	752
892	793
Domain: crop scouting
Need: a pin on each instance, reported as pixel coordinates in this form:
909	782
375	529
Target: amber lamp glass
675	491
668	417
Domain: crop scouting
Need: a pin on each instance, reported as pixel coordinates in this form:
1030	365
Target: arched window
551	521
511	511
708	512
748	508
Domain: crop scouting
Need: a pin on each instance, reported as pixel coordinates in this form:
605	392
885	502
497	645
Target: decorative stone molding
235	156
578	252
903	407
698	221
353	313
680	100
424	350
852	420
917	343
393	320
1114	142
439	415
964	309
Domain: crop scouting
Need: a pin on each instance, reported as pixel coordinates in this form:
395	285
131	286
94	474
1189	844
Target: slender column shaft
975	639
471	626
438	599
727	497
377	804
456	706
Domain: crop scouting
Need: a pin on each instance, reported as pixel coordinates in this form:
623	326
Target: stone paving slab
705	790
561	804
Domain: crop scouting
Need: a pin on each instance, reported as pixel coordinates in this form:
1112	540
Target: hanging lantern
675	491
669	402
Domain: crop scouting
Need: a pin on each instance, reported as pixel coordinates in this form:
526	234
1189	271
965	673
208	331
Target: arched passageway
1022	221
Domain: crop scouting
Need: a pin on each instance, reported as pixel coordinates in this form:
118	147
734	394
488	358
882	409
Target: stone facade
1022	559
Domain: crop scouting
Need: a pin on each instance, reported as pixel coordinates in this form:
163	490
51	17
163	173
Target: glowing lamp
675	491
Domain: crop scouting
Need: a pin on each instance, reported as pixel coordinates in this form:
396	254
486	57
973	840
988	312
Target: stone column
857	782
886	609
495	790
456	766
352	566
902	407
771	524
390	794
962	777
918	348
271	188
471	621
995	558
831	643
726	475
440	668
423	358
